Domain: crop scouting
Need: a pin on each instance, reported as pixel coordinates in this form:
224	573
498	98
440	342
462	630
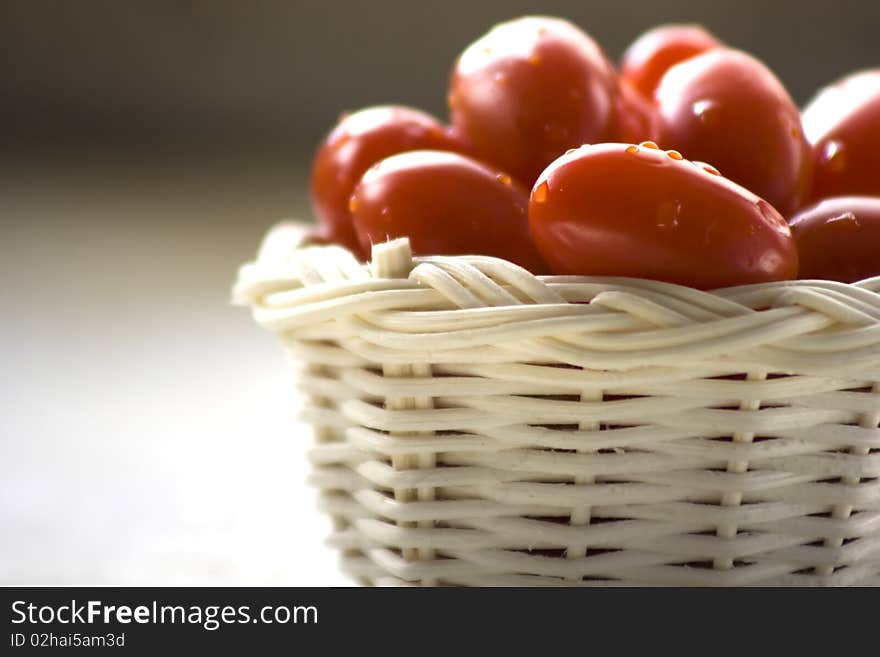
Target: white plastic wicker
478	425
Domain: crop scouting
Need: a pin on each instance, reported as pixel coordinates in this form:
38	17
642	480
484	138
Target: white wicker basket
478	425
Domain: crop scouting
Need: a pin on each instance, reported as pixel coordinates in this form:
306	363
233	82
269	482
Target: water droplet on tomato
649	144
535	60
504	179
707	235
772	217
352	204
675	155
708	168
668	213
539	195
632	149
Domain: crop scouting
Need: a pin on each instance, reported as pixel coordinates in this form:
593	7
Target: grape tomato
446	204
627	210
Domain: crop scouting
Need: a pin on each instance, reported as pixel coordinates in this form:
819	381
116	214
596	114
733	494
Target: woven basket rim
822	325
279	250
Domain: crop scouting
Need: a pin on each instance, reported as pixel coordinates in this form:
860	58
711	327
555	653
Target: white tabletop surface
148	434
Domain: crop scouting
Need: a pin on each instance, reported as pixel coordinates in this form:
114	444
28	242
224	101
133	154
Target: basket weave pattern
478	425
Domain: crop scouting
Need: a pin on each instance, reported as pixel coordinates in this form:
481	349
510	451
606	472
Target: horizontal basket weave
478	425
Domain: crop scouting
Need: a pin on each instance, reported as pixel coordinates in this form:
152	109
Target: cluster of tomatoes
559	162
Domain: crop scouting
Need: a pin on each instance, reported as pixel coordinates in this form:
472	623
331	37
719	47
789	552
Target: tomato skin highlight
838	238
357	142
530	89
656	51
727	108
843	125
446	204
637	211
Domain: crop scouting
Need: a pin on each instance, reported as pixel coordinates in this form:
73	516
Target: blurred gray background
272	76
147	433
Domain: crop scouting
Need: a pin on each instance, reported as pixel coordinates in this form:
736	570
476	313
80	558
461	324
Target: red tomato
625	210
528	90
446	204
633	115
357	142
843	124
658	49
839	238
727	108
